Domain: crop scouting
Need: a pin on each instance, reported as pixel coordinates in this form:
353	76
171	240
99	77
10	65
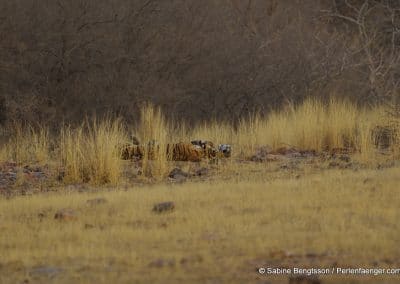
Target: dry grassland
289	213
219	233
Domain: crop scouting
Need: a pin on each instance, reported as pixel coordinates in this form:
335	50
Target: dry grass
28	145
219	232
153	131
243	216
310	126
90	153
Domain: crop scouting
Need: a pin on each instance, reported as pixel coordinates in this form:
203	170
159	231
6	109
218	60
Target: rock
333	164
304	279
272	158
345	158
261	154
190	260
308	153
159	263
337	151
10	164
88	226
367	180
48	271
281	254
163	225
66	214
11	176
162	207
201	172
284	151
178	175
35	176
96	201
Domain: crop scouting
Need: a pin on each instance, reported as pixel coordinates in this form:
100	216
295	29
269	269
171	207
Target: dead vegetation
94	151
195	141
63	60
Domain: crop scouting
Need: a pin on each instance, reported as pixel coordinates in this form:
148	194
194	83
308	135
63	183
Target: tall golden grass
153	131
90	152
313	125
27	144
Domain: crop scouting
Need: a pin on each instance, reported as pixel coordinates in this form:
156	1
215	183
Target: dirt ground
225	222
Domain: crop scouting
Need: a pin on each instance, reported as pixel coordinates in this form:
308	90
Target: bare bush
62	60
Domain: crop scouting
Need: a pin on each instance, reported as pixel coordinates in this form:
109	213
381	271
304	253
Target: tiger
184	152
175	152
130	151
193	152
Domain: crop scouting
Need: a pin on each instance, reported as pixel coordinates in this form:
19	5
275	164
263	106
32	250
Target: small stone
201	172
66	214
163	225
12	176
333	164
284	151
178	175
308	153
177	172
272	158
159	263
164	207
89	226
96	201
367	180
261	154
189	260
281	254
48	271
345	158
10	164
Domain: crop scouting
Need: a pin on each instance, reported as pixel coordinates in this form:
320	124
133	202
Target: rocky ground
20	179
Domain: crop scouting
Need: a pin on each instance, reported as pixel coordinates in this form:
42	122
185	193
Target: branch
340	16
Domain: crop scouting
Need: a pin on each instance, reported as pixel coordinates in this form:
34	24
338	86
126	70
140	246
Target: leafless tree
61	60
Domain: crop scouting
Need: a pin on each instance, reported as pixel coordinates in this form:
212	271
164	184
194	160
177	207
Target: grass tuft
153	131
90	152
27	144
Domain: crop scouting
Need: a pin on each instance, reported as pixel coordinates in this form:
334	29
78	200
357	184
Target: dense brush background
198	60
